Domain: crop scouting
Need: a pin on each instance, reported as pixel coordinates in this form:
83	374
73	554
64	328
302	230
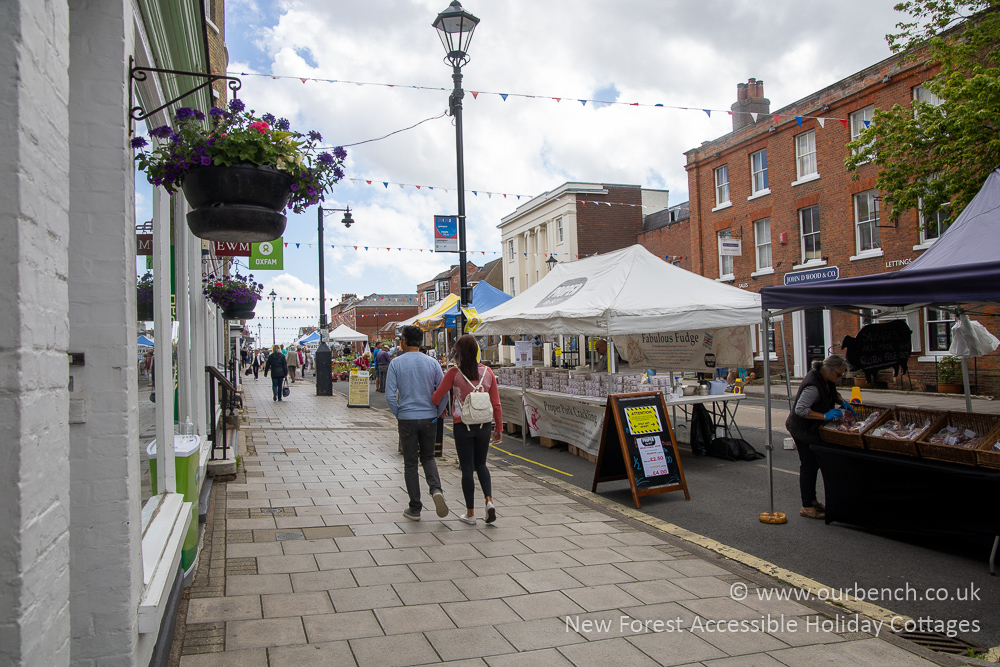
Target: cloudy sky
679	53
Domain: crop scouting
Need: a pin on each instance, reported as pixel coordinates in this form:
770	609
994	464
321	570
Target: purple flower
310	190
205	160
139	142
174	137
184	113
281	124
315	136
339	153
199	115
161	131
268	118
236	104
338	173
294	187
326	158
216	111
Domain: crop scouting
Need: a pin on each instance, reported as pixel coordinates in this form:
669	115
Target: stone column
34	334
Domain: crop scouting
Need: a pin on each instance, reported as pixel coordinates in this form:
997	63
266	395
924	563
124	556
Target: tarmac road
727	497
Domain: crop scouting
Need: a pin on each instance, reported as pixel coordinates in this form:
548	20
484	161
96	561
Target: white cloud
671	52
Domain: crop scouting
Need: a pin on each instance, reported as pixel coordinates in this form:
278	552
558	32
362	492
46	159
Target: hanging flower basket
236	295
241	175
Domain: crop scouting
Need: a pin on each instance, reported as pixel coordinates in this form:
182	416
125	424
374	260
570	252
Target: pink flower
260	126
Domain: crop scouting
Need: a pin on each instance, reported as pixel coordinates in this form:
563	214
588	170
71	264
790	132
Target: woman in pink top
472	441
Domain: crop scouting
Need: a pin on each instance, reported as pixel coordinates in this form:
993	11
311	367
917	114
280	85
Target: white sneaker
491	513
464	518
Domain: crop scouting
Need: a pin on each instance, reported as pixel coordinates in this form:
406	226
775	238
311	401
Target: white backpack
476	408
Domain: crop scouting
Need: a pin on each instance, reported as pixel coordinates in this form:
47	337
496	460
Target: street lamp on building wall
323	357
551	262
455	27
273	296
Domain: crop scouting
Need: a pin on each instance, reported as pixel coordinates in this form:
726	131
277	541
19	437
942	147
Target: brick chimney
749	99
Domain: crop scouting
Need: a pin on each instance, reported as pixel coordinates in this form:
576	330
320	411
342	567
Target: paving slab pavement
306	559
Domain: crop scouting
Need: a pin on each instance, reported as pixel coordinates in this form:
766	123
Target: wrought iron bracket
139	74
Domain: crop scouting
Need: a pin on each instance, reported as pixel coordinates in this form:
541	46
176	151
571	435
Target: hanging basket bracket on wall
139	74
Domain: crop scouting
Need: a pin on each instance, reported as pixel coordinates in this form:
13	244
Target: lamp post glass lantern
323	357
551	262
455	27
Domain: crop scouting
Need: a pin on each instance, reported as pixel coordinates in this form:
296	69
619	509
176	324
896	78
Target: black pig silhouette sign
879	346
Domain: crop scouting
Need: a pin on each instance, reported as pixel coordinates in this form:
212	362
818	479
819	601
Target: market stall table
577	420
904	494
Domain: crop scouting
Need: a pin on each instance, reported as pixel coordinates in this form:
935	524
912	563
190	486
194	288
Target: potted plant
240	174
144	298
949	375
237	295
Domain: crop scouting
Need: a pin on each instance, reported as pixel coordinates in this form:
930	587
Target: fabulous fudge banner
561	417
700	350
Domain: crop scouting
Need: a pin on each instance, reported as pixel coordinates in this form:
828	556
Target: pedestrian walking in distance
410	383
472	441
278	367
816	403
292	357
256	365
383	358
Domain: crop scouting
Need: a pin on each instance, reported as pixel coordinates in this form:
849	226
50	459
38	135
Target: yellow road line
850	603
533	462
522	458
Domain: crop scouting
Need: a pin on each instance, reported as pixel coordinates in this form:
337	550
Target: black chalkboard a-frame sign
638	442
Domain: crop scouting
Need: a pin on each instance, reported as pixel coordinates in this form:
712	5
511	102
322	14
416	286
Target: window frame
510	250
871	222
717	172
725	234
809	156
559	230
512	286
758	245
818	234
857	125
948	321
762	172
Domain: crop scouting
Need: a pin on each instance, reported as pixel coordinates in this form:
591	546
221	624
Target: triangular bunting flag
385	184
821	121
583	102
475	193
296	245
867	123
843	121
754	116
366	247
475	94
418	187
368	182
775	117
557	99
708	112
503	96
798	119
303	80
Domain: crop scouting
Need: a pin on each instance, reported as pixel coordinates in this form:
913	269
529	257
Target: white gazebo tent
345	334
623	292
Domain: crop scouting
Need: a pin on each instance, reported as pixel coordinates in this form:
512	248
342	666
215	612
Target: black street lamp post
324	357
455	27
273	296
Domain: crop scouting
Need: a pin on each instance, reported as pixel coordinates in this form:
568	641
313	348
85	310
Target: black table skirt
904	494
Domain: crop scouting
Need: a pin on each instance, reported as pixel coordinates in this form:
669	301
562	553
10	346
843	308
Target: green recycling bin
187	450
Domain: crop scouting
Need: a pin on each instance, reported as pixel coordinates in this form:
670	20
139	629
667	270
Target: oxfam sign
267	255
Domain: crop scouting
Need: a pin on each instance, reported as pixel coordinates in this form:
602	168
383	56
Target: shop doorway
815	336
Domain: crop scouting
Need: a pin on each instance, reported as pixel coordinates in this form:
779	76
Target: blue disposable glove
847	406
833	413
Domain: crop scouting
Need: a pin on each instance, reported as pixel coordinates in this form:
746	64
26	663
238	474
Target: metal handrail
227	398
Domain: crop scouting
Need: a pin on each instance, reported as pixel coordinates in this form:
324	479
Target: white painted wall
34	334
105	567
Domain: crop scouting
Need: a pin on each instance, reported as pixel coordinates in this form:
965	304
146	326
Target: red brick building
572	221
777	185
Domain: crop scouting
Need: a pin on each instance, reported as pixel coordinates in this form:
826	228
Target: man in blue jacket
278	367
411	380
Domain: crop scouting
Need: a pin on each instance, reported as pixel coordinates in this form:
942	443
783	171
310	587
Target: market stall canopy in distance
432	313
345	334
622	292
961	267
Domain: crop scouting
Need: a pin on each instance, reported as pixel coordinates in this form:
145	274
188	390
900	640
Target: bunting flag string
489	194
503	96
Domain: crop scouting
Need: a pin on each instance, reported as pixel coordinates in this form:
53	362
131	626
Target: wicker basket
979	423
892	445
986	456
855	440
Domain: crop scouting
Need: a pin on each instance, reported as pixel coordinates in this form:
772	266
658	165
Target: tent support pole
965	383
612	355
770	516
524	414
784	356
